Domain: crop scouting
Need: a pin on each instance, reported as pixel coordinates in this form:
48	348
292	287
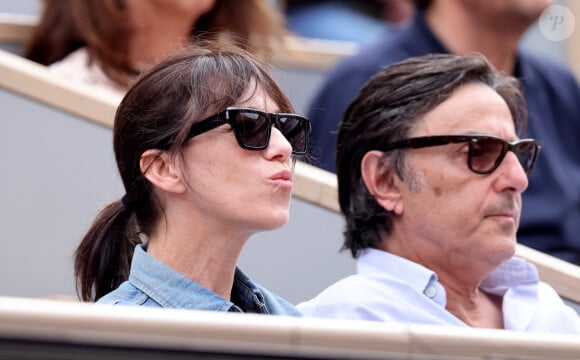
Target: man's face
450	214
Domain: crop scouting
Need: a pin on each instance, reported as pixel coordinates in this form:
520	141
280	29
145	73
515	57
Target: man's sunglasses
252	128
485	152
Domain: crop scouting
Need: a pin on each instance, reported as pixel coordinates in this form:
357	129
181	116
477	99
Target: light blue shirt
390	288
152	283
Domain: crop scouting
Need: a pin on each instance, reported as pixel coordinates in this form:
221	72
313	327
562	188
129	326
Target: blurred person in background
358	21
107	43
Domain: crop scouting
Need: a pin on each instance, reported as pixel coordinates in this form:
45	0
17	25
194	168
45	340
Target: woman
204	149
108	42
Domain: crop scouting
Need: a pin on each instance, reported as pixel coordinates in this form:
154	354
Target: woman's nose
279	146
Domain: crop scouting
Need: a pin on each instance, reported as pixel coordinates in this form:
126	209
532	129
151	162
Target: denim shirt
154	284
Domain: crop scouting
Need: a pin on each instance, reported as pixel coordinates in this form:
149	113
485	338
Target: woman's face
237	188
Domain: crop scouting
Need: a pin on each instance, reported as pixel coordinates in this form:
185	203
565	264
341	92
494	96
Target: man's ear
382	181
158	168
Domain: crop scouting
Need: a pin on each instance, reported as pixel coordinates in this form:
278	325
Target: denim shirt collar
172	290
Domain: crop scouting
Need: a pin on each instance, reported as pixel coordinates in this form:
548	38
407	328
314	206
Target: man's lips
506	215
503	214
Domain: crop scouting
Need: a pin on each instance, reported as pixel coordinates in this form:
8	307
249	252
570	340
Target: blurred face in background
507	14
198	7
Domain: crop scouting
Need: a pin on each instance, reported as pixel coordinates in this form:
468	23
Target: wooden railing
16	28
311	184
29	328
35	81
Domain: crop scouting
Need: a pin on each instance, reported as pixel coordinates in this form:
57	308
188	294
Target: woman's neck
205	254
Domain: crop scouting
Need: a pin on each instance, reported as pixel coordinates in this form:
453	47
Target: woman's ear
157	166
382	181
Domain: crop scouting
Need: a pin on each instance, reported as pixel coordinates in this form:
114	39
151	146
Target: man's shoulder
348	76
363	298
339	300
369	60
352	72
542	62
546	69
356	289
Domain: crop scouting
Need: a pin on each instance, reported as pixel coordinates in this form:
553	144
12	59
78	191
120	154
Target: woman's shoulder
78	66
127	294
276	305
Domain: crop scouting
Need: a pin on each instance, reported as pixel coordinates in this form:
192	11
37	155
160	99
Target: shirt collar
511	273
378	263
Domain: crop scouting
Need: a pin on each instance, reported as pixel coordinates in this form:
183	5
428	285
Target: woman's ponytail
103	258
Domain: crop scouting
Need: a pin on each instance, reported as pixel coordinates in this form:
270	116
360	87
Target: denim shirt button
259	298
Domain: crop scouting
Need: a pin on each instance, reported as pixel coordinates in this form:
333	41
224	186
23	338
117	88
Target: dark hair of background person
160	109
385	110
103	26
422	4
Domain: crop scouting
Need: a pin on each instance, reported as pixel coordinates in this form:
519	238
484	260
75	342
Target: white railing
229	335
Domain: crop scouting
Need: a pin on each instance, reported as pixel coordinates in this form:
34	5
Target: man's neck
475	308
469	34
461	279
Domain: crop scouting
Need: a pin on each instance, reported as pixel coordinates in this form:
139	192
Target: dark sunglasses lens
294	130
485	154
252	129
526	154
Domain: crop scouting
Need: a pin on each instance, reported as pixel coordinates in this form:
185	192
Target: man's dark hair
385	110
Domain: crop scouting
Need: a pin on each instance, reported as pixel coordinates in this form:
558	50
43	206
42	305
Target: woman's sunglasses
252	128
485	152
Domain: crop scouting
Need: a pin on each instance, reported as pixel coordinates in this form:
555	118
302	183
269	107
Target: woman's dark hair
103	26
385	110
160	109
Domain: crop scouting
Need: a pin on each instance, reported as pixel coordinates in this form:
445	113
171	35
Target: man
551	215
430	174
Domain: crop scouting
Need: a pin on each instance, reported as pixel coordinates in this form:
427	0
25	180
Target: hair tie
126	202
